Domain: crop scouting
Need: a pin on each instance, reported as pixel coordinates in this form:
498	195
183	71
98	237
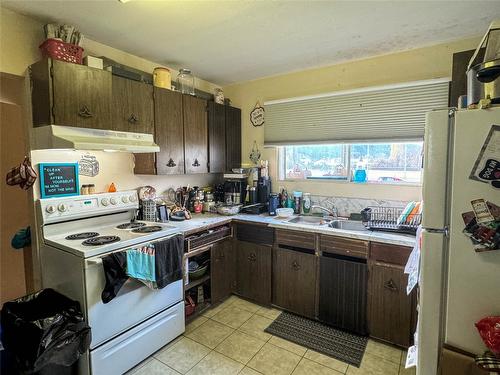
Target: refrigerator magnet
484	235
487	166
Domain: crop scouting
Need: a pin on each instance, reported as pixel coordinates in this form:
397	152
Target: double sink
331	223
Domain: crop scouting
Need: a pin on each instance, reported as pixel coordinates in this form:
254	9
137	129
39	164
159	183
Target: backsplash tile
346	206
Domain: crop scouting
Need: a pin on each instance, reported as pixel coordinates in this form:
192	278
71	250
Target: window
367	162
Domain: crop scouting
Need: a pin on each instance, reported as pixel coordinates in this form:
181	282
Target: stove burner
101	240
147	229
130	225
81	236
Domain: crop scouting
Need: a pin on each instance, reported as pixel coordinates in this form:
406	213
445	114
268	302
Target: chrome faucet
333	212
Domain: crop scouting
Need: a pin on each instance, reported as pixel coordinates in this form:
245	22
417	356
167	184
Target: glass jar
185	82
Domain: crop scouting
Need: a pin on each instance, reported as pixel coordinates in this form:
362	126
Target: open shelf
196	282
199	309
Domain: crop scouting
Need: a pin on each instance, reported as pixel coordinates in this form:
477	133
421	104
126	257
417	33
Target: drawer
298	239
259	234
344	246
392	254
123	352
206	237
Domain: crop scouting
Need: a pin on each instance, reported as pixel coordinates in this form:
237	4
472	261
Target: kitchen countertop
201	222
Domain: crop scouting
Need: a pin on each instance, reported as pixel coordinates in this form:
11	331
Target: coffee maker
263	190
235	188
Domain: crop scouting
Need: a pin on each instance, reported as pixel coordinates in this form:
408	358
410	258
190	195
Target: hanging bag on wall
23	175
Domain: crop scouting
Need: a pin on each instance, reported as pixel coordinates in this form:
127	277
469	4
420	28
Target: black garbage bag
44	328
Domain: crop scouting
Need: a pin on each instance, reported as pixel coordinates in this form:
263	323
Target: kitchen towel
168	260
141	264
114	266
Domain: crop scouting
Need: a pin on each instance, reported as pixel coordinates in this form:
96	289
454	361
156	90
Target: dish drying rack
390	219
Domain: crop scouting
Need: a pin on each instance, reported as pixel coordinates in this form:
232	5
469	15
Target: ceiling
231	41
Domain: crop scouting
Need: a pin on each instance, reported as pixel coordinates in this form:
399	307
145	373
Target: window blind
383	113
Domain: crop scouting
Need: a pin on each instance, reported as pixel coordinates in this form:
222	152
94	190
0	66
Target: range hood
67	137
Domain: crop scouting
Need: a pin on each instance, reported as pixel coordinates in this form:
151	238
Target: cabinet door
133	111
223	267
343	293
390	309
169	131
82	96
233	138
254	271
294	275
216	137
195	134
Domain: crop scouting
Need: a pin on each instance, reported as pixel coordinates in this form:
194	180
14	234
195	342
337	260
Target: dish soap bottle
306	203
360	172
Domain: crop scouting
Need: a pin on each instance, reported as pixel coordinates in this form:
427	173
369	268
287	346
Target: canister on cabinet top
162	78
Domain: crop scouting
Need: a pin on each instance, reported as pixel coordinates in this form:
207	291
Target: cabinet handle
295	266
85	112
391	285
196	163
252	257
171	163
133	119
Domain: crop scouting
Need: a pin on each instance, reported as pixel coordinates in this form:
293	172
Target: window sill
327	180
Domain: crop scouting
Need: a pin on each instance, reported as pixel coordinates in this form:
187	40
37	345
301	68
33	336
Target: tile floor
230	339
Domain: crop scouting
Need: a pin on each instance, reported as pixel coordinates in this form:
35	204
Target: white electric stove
75	234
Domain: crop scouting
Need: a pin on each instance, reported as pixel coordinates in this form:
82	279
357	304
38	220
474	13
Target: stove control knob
50	209
113	201
125	199
104	201
62	207
132	198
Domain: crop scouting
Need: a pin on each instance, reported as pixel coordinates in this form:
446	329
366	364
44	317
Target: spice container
84	190
91	188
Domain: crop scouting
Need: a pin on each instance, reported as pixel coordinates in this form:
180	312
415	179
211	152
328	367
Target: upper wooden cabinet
169	131
133	111
70	94
216	137
195	134
233	138
132	106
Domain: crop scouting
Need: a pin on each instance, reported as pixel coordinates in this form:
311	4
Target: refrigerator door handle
445	231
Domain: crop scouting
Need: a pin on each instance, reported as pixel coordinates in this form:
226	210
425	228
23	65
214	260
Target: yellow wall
20	37
419	64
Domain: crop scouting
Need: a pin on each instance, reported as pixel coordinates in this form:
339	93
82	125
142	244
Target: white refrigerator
458	286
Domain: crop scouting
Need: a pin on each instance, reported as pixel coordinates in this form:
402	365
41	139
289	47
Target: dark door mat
344	346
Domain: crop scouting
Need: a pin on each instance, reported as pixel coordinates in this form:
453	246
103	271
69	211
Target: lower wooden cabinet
391	311
223	269
294	281
253	269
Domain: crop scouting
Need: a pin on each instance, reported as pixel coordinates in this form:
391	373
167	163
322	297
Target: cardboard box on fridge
455	362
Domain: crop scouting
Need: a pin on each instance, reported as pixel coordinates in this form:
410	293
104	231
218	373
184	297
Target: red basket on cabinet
59	50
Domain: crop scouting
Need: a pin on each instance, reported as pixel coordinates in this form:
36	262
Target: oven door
134	303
